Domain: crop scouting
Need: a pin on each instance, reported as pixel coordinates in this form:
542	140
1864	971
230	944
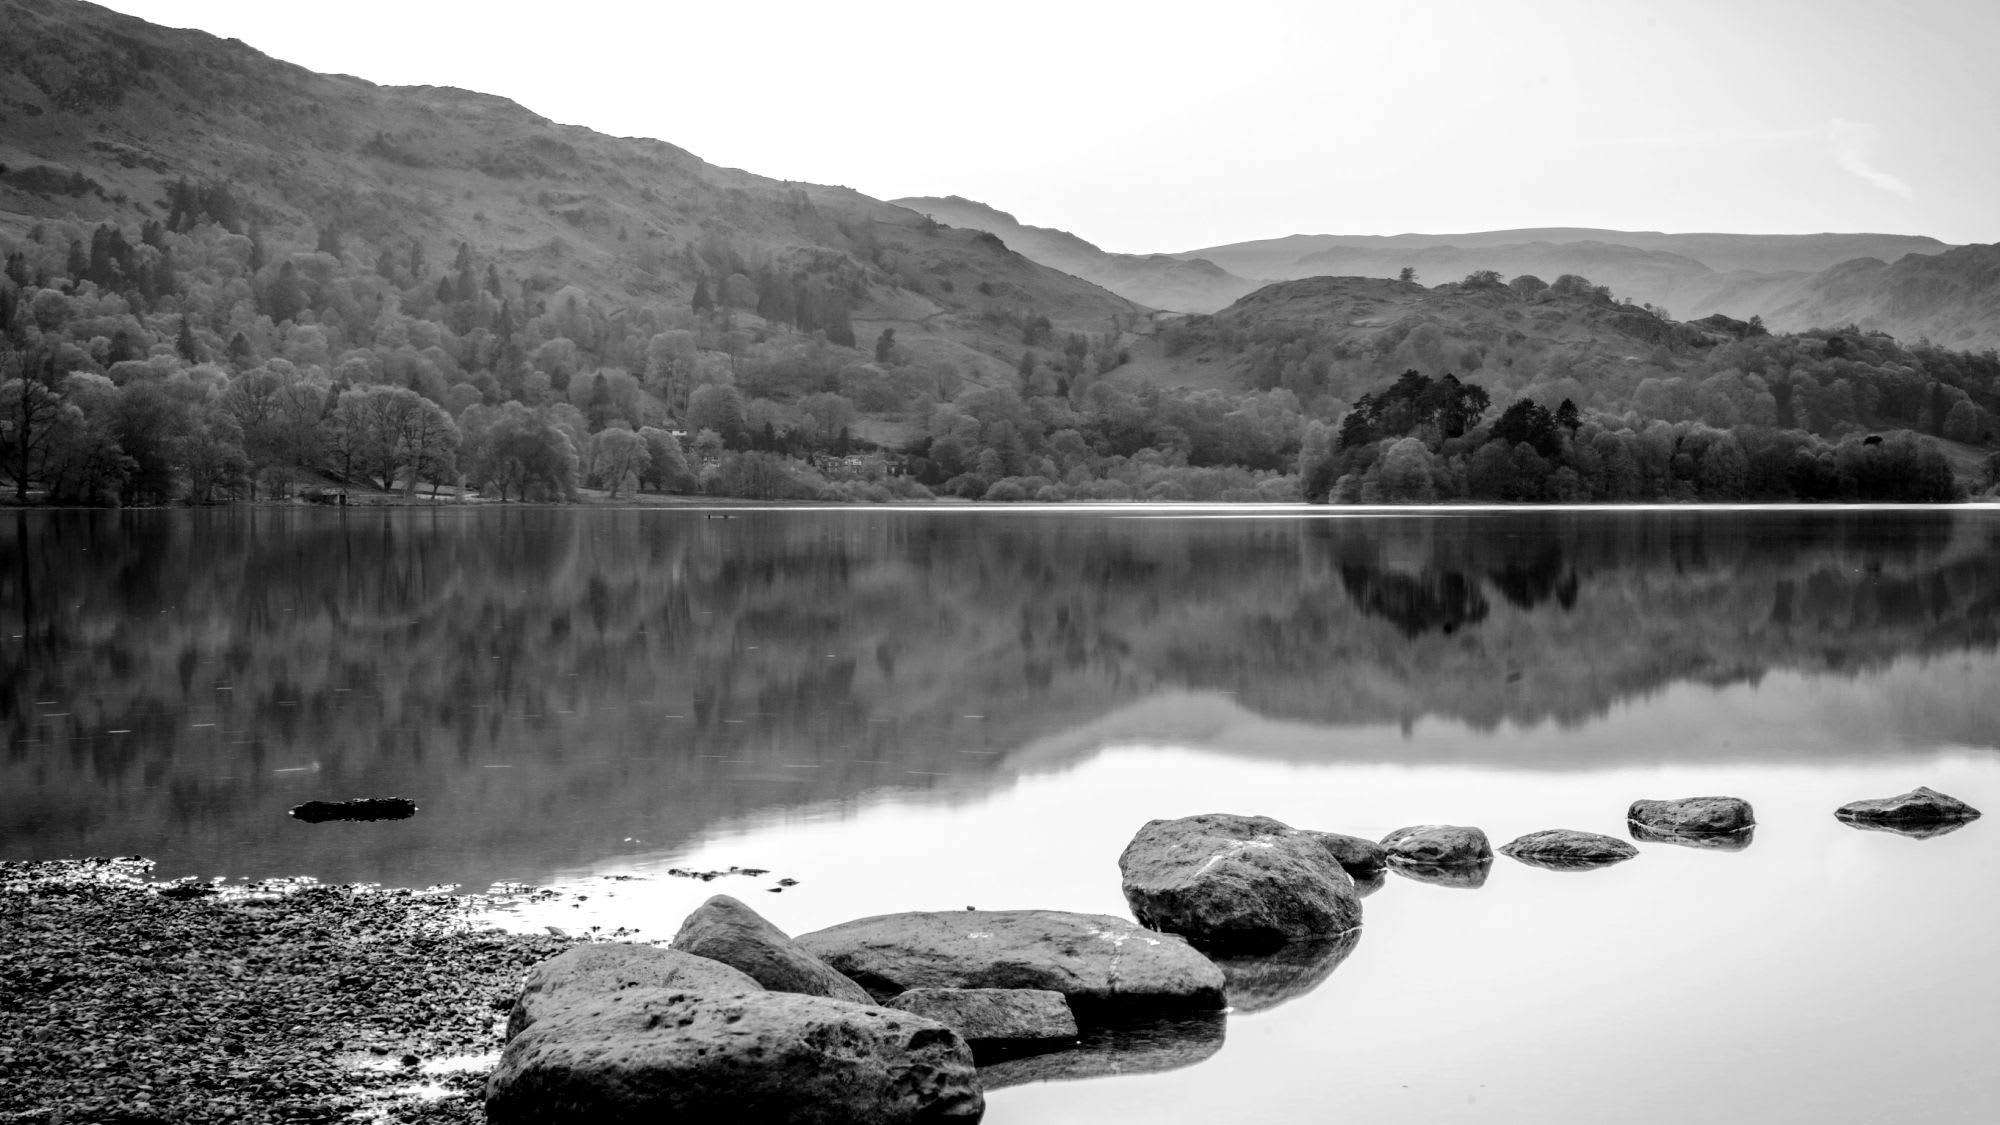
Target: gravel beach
130	1001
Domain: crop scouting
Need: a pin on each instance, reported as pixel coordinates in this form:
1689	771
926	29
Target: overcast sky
1160	127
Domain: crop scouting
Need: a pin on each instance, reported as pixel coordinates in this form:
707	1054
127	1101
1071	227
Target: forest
199	361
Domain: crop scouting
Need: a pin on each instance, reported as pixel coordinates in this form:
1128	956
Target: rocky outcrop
650	1054
1693	816
1143	1047
1105	967
1228	882
588	973
723	929
1920	806
1437	845
995	1021
1262	982
360	808
1567	850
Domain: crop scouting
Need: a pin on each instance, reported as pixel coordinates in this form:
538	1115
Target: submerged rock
723	929
1458	876
1567	850
1144	1047
1693	816
1104	966
1922	805
996	1021
1228	882
588	973
1713	842
1437	845
360	808
1259	983
761	1058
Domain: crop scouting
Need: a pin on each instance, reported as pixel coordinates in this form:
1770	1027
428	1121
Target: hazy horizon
1143	130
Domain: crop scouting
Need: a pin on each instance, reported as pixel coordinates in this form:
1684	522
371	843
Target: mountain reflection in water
175	680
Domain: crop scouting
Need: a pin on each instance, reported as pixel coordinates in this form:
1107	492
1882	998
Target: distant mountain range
1907	285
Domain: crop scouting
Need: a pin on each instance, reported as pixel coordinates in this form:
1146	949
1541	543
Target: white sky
1164	126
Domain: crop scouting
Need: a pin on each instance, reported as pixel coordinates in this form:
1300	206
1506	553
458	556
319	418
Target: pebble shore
135	1002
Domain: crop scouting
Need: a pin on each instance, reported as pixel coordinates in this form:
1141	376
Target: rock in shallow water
1228	882
1437	845
1922	805
589	972
761	1058
723	929
1693	816
360	808
1713	842
1567	850
995	1021
1104	966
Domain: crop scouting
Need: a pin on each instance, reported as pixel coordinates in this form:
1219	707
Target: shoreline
136	1001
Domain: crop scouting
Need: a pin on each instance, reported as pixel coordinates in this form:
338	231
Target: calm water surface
930	710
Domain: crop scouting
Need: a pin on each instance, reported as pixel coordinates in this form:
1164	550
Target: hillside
102	114
1953	298
1162	281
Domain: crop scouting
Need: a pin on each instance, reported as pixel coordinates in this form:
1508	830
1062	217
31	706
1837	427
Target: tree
1568	417
703	301
717	407
666	465
885	345
29	411
1405	473
1317	464
1483	279
1407	273
617	454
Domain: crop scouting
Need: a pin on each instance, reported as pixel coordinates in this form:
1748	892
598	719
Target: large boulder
588	972
1105	967
1438	845
996	1021
760	1058
1922	805
723	929
1568	850
1228	882
1693	816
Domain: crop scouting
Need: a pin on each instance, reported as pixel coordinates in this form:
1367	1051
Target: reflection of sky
1824	974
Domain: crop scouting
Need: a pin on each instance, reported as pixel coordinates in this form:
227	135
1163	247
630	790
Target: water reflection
1257	984
1705	841
1915	831
175	680
1461	876
1151	1047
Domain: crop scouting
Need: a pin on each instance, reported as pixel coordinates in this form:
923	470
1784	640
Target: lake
941	708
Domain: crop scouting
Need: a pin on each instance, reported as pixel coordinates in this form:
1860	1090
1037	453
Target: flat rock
1922	805
723	929
1143	1047
1693	816
1713	842
1228	882
1104	966
1567	850
360	808
762	1058
995	1021
1437	845
589	972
